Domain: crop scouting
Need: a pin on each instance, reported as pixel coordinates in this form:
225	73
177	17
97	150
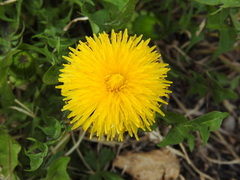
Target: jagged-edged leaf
209	122
183	130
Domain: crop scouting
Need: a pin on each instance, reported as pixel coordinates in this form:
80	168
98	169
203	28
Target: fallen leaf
154	165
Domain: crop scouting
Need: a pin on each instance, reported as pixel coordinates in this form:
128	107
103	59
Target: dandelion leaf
204	125
9	150
208	122
220	93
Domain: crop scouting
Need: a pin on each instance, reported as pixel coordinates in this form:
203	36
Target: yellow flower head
113	84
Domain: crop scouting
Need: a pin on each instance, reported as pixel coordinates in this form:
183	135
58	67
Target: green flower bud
23	65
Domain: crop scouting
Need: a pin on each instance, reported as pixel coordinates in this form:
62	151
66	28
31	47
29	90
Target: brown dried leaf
154	165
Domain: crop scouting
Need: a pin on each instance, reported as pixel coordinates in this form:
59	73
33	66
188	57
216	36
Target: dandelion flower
113	84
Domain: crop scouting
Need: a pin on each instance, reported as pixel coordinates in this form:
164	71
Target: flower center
115	82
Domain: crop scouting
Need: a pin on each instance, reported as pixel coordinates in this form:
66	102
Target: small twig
185	153
193	166
76	144
181	177
80	154
22	111
7	2
182	107
195	110
185	156
106	143
201	27
232	65
22	105
74	21
235	161
65	138
181	52
227	145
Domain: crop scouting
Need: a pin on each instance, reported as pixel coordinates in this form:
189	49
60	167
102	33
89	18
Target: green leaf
230	3
98	161
91	159
235	82
105	156
222	3
58	169
147	25
29	47
122	14
176	135
97	20
50	57
52	128
209	122
36	154
195	39
11	13
234	17
6	96
209	2
204	124
198	84
9	150
226	42
96	176
53	40
114	15
172	118
52	75
216	20
219	93
5	62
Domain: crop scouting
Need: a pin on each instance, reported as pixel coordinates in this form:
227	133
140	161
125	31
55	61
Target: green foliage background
35	137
